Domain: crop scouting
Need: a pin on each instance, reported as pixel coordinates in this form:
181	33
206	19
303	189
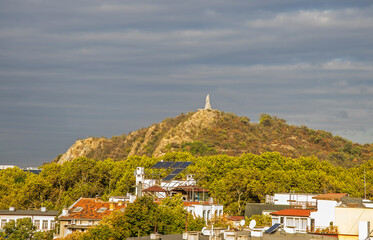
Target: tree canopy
232	181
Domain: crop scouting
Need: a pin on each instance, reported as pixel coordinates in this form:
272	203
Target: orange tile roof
155	189
195	203
236	218
293	212
331	196
90	207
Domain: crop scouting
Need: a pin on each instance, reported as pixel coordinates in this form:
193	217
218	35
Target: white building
42	219
294	220
196	199
325	214
142	183
296	200
2	167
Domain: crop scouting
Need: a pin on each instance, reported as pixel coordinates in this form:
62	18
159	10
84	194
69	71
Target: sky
74	69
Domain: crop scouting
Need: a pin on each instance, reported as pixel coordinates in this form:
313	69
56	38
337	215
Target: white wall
283	198
50	219
325	213
293	224
206	211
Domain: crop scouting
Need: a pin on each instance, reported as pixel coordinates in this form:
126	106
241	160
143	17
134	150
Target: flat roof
29	212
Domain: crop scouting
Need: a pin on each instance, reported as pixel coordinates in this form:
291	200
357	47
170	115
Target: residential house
43	219
84	213
325	215
281	201
351	215
196	199
293	220
295	200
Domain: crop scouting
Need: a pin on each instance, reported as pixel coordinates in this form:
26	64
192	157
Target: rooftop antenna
365	187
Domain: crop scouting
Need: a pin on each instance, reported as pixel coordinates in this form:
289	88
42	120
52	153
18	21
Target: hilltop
209	132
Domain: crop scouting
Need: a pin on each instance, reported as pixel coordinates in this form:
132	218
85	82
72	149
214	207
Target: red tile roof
331	196
90	207
155	189
236	218
195	203
293	212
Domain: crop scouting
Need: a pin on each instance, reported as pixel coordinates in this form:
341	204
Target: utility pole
365	187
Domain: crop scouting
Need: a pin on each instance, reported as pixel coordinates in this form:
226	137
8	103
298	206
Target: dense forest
232	181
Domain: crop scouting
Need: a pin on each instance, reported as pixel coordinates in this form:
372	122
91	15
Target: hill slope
208	132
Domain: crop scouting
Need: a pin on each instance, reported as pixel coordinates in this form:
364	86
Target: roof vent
11	209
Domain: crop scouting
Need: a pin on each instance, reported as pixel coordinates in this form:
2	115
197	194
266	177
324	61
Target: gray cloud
74	69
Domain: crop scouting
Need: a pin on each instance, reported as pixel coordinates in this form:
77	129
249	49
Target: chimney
111	206
11	209
65	212
43	209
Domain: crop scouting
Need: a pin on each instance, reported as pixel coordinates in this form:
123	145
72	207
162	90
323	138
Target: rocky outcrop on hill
82	148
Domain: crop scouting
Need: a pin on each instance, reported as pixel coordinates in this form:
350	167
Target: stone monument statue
207	105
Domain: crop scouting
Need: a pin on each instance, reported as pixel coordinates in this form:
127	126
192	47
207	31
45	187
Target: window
37	224
289	221
101	210
3	222
78	209
53	225
297	225
45	224
303	223
275	220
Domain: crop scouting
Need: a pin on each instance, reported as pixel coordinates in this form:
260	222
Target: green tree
172	217
20	229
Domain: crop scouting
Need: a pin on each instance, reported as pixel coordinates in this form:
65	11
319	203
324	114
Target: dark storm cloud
74	69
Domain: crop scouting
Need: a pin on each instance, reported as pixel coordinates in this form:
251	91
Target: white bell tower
140	177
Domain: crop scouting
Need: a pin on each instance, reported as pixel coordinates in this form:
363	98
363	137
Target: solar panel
177	164
167	164
172	165
185	164
169	177
273	228
177	171
158	165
